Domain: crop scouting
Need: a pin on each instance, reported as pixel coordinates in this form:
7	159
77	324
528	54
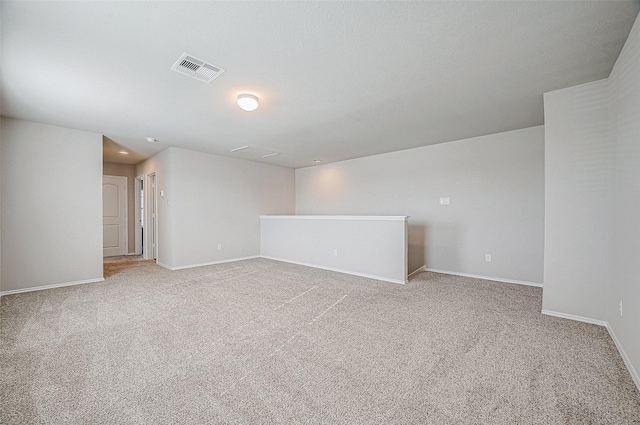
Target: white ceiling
336	80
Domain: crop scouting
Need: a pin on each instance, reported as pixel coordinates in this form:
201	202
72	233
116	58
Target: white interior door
114	215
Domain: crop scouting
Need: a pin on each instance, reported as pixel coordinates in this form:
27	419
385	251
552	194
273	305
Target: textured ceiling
336	80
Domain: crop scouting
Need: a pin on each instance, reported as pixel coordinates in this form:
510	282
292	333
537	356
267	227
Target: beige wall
128	171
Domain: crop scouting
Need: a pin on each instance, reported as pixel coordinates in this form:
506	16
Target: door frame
151	207
138	218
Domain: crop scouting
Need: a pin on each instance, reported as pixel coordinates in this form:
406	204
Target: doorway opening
114	216
139	215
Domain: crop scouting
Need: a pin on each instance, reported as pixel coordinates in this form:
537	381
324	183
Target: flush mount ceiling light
248	102
317	161
151	139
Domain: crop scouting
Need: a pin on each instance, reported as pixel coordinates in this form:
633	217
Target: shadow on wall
416	248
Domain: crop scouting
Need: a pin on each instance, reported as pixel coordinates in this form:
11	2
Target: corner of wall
625	358
592	202
505	169
624	106
1	7
577	200
0	199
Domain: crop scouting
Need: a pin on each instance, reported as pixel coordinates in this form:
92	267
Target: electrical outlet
620	308
487	258
335	252
219	247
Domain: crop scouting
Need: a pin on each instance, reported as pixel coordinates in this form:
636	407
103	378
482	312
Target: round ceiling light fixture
151	139
248	102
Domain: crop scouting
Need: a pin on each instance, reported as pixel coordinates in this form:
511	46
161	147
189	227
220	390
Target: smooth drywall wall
1	6
160	166
374	247
578	200
592	238
0	203
210	206
52	205
624	87
128	171
495	188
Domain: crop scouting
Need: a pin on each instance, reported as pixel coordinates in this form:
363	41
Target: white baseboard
164	265
625	358
368	276
56	285
475	276
632	371
574	317
190	266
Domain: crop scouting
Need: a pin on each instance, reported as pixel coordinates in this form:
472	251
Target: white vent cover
197	68
253	153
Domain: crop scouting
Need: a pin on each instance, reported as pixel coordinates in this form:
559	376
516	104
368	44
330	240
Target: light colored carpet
122	263
262	342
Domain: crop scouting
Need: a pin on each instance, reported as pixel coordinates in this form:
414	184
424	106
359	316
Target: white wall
211	200
578	200
592	239
369	246
51	179
624	86
160	164
1	203
496	188
0	153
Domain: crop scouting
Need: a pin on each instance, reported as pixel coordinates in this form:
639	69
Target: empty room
310	212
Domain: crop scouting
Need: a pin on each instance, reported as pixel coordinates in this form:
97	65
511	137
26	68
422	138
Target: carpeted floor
262	342
121	263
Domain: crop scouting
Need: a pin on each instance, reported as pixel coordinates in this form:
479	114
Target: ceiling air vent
196	68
